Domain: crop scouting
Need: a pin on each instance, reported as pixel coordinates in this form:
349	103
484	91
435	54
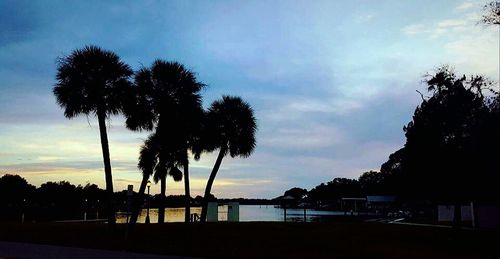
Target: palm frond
91	79
230	125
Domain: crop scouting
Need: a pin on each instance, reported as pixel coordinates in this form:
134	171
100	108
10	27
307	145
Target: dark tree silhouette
158	160
147	160
371	182
230	126
93	81
171	92
393	166
14	190
332	191
444	158
161	176
296	192
491	14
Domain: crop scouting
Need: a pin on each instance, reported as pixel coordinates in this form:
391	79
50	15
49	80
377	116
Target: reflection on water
171	215
247	213
270	213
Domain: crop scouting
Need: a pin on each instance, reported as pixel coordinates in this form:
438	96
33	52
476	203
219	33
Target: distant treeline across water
63	200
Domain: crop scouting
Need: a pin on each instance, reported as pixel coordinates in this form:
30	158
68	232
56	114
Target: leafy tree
93	81
296	192
230	126
491	14
334	190
61	193
93	193
14	190
393	166
59	200
392	171
445	155
374	183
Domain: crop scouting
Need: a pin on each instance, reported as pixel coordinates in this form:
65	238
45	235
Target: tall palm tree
93	81
168	94
230	126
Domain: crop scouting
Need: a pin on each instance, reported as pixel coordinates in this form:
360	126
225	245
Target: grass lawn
266	239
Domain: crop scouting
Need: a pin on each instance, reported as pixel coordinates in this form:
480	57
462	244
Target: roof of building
380	198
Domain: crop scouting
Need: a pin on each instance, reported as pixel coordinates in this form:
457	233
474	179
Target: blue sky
332	82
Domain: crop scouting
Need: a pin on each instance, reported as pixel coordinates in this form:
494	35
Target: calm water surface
247	213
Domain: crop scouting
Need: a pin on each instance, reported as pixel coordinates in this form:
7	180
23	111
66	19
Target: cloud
414	29
308	137
437	29
81	166
363	18
475	53
464	6
334	105
49	158
466	22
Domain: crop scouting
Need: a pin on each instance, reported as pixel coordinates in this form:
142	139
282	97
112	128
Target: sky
332	83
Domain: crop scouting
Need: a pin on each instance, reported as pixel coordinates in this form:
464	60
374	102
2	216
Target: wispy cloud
465	6
363	18
467	21
437	29
304	138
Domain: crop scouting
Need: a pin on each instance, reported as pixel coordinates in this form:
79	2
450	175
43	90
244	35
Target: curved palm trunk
210	182
138	201
107	168
161	208
187	212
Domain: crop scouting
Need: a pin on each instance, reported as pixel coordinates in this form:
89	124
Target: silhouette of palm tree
158	160
229	126
93	81
161	176
168	91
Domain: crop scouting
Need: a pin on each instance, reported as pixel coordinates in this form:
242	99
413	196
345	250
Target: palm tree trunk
210	182
161	208
457	216
138	201
101	116
187	213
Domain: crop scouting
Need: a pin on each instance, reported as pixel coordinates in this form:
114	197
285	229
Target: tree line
163	99
451	150
51	201
65	201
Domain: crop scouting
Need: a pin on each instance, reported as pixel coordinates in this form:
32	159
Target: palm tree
230	126
93	81
147	160
168	91
158	160
161	176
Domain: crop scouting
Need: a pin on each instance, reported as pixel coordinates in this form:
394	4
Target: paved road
25	250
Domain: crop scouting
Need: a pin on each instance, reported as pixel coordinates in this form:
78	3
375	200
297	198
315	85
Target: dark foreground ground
254	239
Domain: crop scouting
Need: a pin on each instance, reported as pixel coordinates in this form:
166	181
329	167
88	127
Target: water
247	213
